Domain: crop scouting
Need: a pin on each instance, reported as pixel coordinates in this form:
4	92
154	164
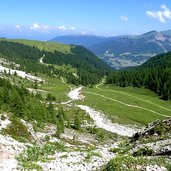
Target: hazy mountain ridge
83	40
124	51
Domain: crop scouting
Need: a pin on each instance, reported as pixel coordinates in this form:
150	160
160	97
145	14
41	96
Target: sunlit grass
44	45
116	103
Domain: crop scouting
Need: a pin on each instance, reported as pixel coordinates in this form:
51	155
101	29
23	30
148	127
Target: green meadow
56	87
44	45
127	105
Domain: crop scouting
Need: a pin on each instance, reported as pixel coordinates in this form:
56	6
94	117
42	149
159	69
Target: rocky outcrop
156	137
158	129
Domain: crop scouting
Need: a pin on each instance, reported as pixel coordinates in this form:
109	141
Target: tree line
23	104
155	74
90	68
33	107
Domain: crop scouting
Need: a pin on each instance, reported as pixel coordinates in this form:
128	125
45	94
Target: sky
45	19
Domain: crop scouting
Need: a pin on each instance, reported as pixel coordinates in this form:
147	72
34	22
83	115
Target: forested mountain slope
124	51
154	74
49	124
89	68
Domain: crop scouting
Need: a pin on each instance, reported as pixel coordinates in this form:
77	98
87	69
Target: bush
145	151
3	117
77	123
17	130
50	97
36	153
130	163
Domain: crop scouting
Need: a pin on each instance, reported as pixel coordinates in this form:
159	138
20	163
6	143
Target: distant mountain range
83	40
123	51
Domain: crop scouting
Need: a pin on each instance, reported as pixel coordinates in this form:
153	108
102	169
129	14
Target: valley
85	85
85	152
133	50
65	122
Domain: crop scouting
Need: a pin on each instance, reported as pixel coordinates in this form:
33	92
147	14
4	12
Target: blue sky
44	19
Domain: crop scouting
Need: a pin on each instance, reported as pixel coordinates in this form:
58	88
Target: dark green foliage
144	151
17	130
155	74
90	67
92	130
60	122
3	117
50	97
33	154
130	163
115	150
22	104
26	56
77	123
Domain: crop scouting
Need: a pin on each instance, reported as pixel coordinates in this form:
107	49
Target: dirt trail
132	106
99	118
147	101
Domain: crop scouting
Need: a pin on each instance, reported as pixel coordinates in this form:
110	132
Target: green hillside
28	54
155	75
44	45
51	116
163	60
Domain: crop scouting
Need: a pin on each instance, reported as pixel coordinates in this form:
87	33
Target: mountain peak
150	33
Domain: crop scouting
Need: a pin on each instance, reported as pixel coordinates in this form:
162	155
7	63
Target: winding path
133	106
100	118
147	101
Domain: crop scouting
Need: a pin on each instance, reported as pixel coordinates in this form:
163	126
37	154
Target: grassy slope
56	88
115	103
42	45
116	111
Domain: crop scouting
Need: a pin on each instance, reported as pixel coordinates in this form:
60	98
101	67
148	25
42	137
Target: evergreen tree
77	123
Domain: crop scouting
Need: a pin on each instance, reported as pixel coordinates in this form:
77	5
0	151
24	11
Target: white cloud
166	12
61	28
40	28
72	28
124	18
162	15
45	28
35	27
18	27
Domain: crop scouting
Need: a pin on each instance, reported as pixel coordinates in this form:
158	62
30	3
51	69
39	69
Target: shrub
17	130
3	117
145	151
